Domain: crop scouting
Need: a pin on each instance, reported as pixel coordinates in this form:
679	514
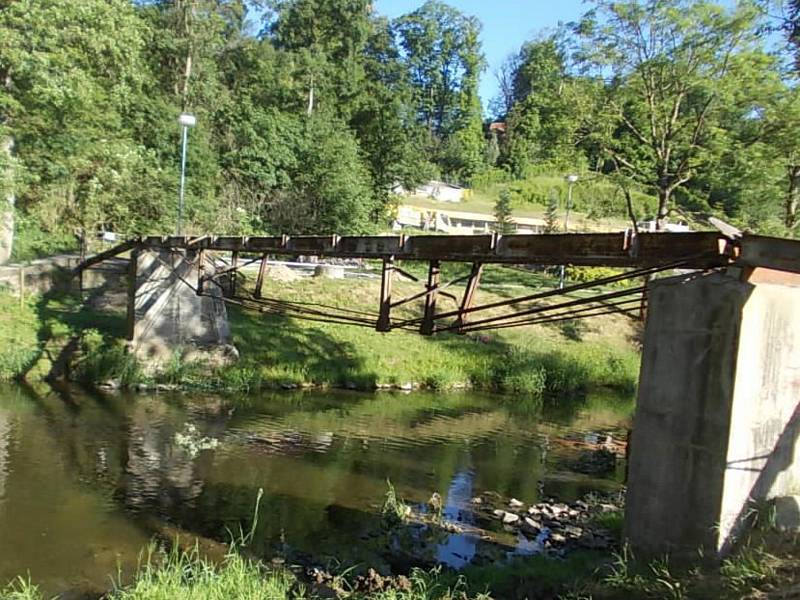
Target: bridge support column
718	414
385	315
166	312
429	316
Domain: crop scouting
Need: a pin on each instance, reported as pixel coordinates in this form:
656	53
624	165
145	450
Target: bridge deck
696	250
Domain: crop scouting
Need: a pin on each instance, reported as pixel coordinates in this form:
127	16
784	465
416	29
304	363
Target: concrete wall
716	422
40	276
164	310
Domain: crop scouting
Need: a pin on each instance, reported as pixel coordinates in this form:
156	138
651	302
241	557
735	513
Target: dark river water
88	479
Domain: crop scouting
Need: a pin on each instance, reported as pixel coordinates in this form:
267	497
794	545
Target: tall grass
105	359
188	576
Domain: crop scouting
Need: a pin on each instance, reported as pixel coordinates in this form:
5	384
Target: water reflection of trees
322	459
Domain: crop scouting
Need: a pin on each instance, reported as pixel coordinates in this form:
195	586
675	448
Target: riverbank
766	566
56	335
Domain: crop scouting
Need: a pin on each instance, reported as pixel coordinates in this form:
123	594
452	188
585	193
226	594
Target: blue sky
506	25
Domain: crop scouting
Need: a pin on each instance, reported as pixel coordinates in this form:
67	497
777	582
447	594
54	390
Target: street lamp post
571	181
186	121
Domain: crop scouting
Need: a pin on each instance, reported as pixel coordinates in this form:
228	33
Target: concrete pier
718	415
165	311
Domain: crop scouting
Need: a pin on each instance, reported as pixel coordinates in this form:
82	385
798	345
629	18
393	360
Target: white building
437	190
458	222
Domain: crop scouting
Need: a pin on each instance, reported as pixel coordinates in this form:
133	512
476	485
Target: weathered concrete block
329	271
718	412
787	513
164	310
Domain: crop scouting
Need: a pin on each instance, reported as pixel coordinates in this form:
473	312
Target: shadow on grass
290	353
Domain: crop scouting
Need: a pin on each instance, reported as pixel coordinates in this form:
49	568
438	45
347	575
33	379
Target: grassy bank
189	577
280	352
767	566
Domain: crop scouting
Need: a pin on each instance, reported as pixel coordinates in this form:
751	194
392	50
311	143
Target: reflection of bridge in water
718	418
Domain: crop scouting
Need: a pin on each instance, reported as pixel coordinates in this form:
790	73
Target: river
87	479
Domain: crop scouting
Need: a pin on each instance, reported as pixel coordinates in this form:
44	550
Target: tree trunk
7	201
792	196
664	195
187	10
310	109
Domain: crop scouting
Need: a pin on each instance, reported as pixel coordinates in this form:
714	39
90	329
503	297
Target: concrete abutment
718	413
165	311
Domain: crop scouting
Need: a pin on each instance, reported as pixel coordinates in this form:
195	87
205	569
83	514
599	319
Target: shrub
103	360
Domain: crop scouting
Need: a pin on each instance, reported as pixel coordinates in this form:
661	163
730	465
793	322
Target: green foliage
502	212
103	359
395	512
32	241
750	566
441	51
590	274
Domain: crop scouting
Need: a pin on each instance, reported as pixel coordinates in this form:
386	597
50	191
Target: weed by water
105	359
20	589
394	511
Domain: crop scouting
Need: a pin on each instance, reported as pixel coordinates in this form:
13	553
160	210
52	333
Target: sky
506	25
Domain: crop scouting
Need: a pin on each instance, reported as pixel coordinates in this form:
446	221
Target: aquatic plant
394	510
193	442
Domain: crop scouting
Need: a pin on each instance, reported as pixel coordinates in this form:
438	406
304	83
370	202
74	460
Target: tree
328	38
502	212
547	110
671	67
551	215
391	139
441	50
330	188
73	72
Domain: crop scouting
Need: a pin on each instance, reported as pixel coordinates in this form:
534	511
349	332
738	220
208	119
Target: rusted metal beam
429	316
133	267
778	254
387	276
201	272
262	272
234	272
468	300
105	255
699	250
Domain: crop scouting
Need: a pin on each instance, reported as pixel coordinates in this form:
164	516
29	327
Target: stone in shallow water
514	503
531	525
510	518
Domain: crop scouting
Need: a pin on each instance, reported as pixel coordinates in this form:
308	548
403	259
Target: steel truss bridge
220	260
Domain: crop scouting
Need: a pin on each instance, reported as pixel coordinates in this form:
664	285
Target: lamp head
187	120
571	178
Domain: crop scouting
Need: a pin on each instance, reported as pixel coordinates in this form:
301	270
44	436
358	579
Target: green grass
277	351
188	576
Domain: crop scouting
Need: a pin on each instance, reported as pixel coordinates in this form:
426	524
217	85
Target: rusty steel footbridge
219	262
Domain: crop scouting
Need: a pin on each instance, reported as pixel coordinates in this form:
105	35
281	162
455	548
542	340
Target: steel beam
233	273
778	254
429	319
468	300
699	250
387	276
262	272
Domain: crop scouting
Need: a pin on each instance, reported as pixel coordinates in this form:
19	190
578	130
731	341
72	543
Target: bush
104	360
